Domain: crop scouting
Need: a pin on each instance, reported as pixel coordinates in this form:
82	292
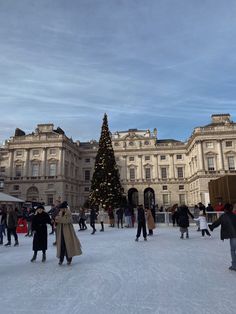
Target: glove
210	227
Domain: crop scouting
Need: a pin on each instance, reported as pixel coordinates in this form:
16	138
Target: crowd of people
59	217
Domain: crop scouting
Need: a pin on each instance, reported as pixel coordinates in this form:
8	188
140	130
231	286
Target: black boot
8	244
34	257
182	236
44	257
16	243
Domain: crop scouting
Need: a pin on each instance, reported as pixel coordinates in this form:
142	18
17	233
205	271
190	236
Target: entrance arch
32	194
149	197
133	197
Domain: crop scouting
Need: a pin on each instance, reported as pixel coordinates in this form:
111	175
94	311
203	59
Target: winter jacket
141	215
150	220
39	228
101	215
184	214
228	225
203	222
64	224
12	219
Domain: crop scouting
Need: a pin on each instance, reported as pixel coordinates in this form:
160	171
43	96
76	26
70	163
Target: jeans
233	251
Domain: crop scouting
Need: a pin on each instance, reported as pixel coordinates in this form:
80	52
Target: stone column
11	163
124	169
44	163
220	154
172	168
62	162
26	169
200	155
156	172
140	167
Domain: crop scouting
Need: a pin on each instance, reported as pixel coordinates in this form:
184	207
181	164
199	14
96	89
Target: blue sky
167	64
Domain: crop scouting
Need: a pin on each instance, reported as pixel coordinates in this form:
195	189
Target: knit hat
63	205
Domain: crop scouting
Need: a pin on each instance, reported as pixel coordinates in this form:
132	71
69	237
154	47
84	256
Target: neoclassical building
46	164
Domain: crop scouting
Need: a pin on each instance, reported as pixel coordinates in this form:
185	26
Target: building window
52	151
210	164
209	145
35	170
146	143
178	157
50	186
19	153
1	184
181	187
163	173
18	170
87	175
165	198
231	163
131	158
116	144
86	189
52	170
132	173
50	199
2	169
147	157
87	160
228	143
163	157
180	172
147	173
164	187
35	152
16	187
181	199
131	143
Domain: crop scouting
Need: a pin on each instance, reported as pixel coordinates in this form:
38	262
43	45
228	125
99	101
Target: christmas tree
106	189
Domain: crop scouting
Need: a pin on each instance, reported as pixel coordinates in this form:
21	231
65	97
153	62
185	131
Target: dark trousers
141	226
92	224
63	249
11	231
120	222
150	232
207	232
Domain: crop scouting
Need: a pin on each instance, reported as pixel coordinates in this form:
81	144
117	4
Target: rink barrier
161	217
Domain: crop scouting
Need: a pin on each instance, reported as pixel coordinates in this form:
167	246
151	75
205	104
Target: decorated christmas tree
106	189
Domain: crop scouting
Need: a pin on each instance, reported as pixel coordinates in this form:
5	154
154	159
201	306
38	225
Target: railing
164	218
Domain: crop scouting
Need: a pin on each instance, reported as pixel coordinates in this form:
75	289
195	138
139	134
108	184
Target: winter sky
168	64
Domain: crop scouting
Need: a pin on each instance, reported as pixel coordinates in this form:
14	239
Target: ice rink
115	274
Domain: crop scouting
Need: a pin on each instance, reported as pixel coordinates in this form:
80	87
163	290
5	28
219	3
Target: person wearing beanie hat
227	221
39	229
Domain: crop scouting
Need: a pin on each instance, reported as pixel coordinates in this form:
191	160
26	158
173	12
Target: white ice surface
115	274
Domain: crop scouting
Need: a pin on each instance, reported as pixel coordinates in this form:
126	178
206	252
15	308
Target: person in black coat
184	214
120	214
93	217
227	221
39	229
141	223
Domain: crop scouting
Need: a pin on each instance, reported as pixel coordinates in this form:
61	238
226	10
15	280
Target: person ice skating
39	229
227	221
150	221
82	219
184	214
203	224
2	224
120	214
28	216
111	216
101	217
93	217
11	222
68	245
174	214
141	223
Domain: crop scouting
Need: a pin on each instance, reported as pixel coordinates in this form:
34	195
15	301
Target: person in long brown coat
67	242
150	221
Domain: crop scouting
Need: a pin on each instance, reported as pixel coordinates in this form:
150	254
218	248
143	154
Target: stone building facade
46	164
